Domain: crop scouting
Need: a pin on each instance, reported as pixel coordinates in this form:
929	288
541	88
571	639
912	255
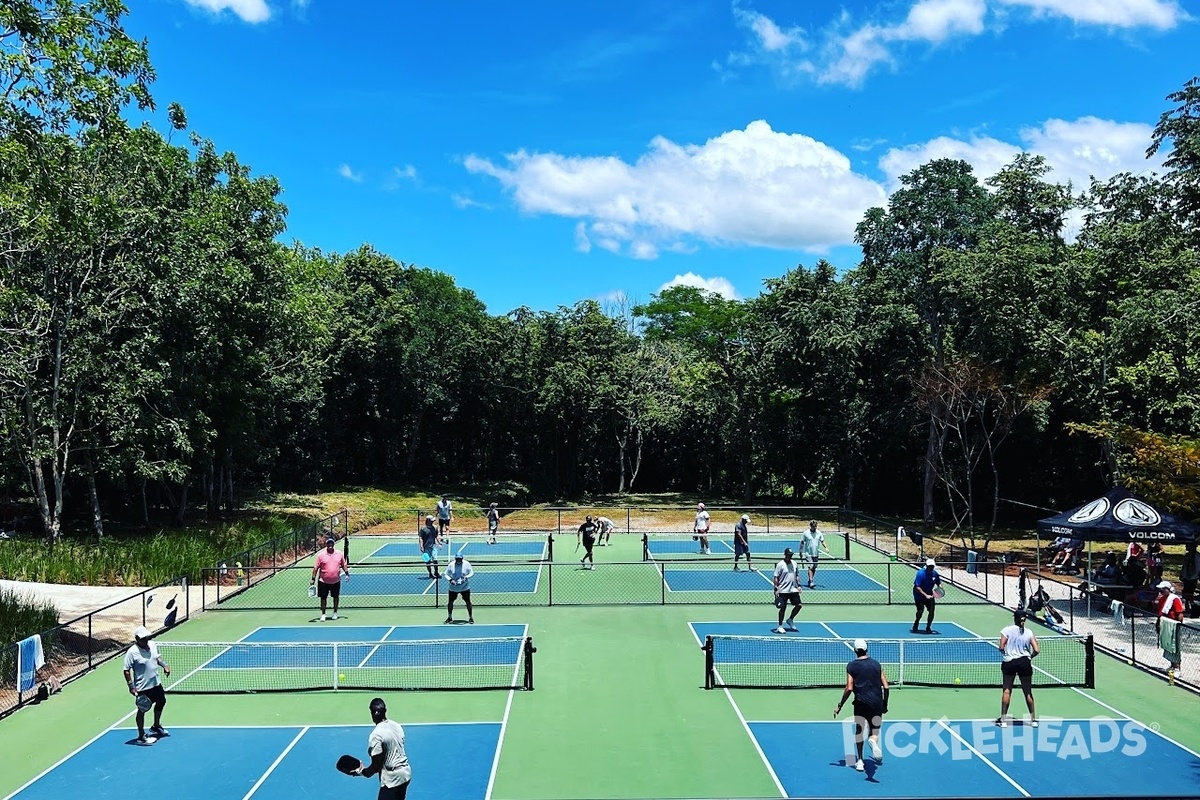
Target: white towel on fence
1118	612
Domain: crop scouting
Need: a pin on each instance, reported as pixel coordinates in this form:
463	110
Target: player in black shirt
587	534
866	680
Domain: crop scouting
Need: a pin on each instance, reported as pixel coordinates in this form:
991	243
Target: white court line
487	795
367	658
1121	714
275	764
986	760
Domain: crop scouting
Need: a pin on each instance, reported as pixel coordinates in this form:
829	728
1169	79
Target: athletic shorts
867	712
783	598
741	548
443	524
326	589
393	792
156	693
493	525
454	593
922	603
1018	667
588	544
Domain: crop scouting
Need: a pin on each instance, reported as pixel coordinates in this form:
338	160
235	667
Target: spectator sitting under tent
1135	573
1066	561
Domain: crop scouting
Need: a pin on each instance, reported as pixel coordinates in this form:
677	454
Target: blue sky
544	153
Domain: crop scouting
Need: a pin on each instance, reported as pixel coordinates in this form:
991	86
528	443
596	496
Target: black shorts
740	548
442	525
922	603
783	598
870	713
1018	668
454	593
393	792
588	544
326	589
157	694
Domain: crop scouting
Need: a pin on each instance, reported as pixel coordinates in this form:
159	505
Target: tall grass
130	560
21	616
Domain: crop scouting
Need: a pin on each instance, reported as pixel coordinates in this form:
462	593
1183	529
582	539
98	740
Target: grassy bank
21	617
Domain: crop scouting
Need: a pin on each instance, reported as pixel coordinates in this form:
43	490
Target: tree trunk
637	459
621	461
931	461
97	517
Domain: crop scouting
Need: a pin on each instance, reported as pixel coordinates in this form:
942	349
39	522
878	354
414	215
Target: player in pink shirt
327	575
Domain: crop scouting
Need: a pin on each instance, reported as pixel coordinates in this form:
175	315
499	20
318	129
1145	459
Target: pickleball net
475	547
432	665
668	545
797	662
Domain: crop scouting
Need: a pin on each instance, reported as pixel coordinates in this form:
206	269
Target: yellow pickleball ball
958	680
341	676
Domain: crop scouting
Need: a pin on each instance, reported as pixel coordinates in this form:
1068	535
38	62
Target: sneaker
810	585
1001	723
470	621
1033	723
914	629
736	568
791	626
858	765
876	750
159	731
334	615
780	629
322	618
448	621
144	740
929	630
754	569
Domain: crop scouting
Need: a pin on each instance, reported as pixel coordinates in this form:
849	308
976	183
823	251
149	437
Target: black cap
1020	613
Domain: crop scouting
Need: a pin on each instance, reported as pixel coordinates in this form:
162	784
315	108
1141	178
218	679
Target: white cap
745	517
1165	585
929	562
700	506
860	645
140	632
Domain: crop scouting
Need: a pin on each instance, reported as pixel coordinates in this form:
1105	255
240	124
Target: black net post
529	651
709	677
1089	669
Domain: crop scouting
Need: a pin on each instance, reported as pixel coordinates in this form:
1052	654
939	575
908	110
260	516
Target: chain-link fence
1116	617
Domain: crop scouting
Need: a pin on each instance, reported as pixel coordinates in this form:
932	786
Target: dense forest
163	352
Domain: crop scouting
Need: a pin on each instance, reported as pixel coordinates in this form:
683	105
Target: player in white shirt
1019	647
787	590
700	528
389	760
604	537
812	542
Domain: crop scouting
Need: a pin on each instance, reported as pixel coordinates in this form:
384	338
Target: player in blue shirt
924	584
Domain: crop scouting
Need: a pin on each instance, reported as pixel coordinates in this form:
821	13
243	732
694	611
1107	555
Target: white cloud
1160	14
582	243
717	285
463	201
252	11
936	21
770	36
349	174
408	172
846	52
745	187
1076	151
